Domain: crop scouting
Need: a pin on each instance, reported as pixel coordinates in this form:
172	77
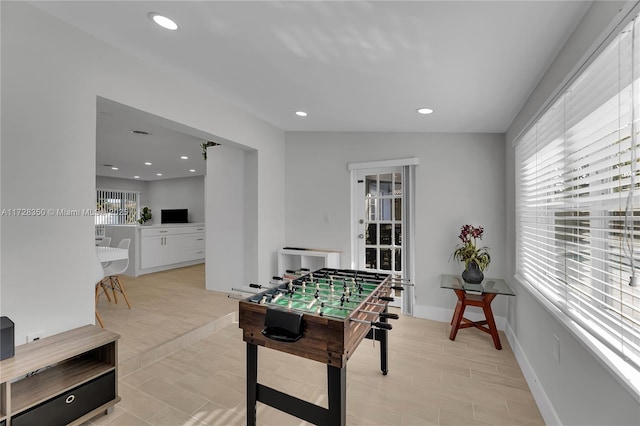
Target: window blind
116	207
577	199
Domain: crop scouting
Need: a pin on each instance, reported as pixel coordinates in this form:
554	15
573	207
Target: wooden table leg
483	302
488	314
457	314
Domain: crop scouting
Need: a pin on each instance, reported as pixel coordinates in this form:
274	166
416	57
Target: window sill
623	372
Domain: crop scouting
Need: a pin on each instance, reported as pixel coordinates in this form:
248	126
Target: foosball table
322	316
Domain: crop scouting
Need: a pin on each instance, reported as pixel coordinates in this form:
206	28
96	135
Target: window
116	207
578	200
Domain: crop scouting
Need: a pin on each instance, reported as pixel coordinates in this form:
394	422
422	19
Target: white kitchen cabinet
162	246
152	252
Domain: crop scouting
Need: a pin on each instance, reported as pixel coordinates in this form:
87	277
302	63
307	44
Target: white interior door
379	215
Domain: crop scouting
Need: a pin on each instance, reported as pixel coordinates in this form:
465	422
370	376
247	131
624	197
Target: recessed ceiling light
192	170
140	132
301	114
158	174
136	177
147	164
163	21
424	111
114	168
184	157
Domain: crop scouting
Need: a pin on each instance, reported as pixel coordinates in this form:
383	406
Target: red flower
467	232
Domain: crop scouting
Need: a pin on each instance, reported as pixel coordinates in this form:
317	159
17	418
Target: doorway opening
382	222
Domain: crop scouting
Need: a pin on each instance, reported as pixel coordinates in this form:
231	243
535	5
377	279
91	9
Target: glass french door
379	228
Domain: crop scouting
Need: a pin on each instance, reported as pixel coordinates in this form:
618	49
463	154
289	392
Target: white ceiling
352	65
163	147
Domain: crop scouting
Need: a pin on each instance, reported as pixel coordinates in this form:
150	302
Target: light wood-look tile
431	380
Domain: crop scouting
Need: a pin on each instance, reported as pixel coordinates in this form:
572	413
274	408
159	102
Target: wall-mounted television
174	216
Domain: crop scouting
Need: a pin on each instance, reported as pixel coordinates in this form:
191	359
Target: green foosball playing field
320	296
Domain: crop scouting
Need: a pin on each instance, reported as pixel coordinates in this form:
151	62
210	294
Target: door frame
408	232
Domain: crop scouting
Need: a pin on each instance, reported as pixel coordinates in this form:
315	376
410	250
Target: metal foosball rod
381	305
377	324
323	304
387	315
360	296
327	291
280	291
326	281
242	290
402	280
311	290
235	296
309	303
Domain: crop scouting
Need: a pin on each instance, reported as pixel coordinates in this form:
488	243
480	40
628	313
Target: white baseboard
167	267
542	400
445	315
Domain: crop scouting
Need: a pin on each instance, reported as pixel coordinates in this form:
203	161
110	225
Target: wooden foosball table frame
324	339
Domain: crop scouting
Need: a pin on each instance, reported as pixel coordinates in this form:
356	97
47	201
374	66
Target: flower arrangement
468	252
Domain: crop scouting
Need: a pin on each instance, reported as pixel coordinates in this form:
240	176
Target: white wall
460	180
225	264
184	193
51	75
578	390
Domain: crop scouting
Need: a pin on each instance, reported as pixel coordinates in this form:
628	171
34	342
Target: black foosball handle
386	298
382	325
255	286
389	315
277	278
397	287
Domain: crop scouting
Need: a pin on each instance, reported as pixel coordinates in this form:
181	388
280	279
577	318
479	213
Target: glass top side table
480	295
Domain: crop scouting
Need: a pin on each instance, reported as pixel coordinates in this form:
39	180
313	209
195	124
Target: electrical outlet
36	335
556	348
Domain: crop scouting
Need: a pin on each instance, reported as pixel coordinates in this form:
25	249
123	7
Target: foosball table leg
384	350
381	336
252	382
337	394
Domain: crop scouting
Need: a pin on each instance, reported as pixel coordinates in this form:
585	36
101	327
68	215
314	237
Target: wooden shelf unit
60	366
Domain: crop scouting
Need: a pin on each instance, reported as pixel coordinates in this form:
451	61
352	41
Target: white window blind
116	207
577	198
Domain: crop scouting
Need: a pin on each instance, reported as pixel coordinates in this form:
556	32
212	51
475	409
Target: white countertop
167	225
170	225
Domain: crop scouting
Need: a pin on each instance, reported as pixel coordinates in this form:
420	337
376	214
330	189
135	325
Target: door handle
361	236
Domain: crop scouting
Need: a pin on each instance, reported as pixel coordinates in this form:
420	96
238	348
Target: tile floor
200	379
